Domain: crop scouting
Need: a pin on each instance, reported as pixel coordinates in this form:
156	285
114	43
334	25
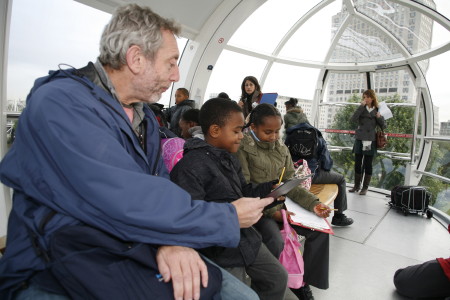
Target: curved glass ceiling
369	31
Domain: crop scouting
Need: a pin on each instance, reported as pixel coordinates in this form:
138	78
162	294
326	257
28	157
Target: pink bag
172	151
302	169
291	257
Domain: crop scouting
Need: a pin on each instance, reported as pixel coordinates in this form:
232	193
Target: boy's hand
249	210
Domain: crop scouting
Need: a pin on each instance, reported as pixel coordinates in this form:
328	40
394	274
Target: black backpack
302	143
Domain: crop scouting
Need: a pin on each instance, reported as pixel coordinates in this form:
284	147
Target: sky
69	33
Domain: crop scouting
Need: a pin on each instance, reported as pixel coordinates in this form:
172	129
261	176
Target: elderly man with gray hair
95	215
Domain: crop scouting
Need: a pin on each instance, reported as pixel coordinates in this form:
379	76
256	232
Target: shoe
341	220
303	293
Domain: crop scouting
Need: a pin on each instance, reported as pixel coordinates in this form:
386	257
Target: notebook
269	98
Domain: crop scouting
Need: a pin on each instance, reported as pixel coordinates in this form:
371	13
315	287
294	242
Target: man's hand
249	210
185	267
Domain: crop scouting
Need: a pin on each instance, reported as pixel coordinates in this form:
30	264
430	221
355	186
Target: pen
282	173
159	277
324	208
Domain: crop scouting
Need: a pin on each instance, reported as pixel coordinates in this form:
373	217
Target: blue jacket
323	160
75	153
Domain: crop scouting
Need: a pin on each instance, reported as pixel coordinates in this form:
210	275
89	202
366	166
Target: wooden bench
325	192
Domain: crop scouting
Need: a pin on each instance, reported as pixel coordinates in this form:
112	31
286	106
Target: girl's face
249	87
368	100
269	130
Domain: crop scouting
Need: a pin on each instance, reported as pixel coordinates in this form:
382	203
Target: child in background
209	171
263	156
189	125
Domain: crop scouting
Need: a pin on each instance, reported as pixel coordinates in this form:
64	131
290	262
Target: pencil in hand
281	177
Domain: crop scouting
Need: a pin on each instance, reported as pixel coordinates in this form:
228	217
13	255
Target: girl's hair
262	111
371	93
254	81
291	101
184	91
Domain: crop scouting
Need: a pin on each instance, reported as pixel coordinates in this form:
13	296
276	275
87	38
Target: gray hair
133	25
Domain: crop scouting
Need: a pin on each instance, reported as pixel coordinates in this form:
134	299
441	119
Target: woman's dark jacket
214	174
249	100
367	122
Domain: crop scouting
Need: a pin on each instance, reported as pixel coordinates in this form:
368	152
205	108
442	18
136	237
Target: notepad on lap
306	218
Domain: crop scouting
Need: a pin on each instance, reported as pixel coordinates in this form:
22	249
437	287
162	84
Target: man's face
159	74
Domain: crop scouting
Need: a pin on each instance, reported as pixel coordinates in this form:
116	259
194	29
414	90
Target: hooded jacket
76	154
322	159
213	174
262	161
293	117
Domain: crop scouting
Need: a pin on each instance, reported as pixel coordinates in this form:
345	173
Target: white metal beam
5	21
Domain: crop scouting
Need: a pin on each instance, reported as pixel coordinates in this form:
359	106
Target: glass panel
291	81
318	25
259	33
440	92
387	172
391	83
440	192
362	42
33	52
341	87
410	27
231	68
440	35
439	160
443	7
389	168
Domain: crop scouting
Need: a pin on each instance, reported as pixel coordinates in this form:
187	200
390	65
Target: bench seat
325	192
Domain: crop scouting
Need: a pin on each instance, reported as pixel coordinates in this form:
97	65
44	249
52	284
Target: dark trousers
329	177
268	276
316	255
426	280
363	164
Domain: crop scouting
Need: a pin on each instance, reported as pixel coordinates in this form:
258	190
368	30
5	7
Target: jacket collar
197	143
262	145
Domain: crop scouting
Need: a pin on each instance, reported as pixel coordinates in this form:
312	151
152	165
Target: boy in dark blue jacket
209	171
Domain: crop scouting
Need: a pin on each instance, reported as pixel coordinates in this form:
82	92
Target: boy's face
269	130
179	97
229	136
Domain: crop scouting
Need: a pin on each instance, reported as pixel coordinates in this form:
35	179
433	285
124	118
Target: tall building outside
361	42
